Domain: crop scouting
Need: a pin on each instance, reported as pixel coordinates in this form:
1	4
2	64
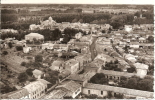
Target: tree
5	52
10	45
22	77
91	96
146	85
38	58
131	69
123	81
103	31
118	69
151	39
19	48
29	71
67	97
132	83
23	64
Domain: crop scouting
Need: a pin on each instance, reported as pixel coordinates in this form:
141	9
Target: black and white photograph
77	49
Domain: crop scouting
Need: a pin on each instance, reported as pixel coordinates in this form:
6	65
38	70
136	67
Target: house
128	28
26	49
47	46
134	44
142	40
78	35
65	89
18	94
115	75
56	94
61	47
36	89
82	78
57	65
33	36
130	57
72	65
141	69
73	88
103	90
101	57
37	73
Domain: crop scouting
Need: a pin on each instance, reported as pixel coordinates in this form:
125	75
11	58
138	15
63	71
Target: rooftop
117	73
16	94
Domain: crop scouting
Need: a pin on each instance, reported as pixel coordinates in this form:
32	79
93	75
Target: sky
79	1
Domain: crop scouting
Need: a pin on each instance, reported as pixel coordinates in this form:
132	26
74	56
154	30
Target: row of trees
112	66
99	78
135	82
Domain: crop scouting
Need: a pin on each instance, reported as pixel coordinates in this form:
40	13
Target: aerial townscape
77	51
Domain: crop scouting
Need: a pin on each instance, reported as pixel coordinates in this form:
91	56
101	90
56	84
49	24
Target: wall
97	92
75	68
77	92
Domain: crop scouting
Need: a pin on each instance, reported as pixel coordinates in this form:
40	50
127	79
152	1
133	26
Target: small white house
141	69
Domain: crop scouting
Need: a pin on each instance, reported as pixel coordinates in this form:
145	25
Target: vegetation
131	69
135	82
38	58
19	48
99	78
5	52
150	39
23	64
112	66
29	71
22	77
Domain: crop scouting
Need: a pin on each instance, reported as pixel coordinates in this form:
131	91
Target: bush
19	48
5	52
29	72
23	64
22	77
38	58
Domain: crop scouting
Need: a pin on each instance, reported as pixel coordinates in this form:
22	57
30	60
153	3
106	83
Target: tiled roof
120	90
15	94
72	86
56	94
82	77
117	73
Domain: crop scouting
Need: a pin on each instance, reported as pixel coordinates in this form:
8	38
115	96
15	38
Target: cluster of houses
51	24
145	27
77	71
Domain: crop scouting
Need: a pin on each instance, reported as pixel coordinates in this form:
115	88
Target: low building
65	89
57	65
115	75
103	91
27	49
33	36
78	35
47	46
142	40
18	94
37	73
141	69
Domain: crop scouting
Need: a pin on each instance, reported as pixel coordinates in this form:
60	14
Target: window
88	91
101	92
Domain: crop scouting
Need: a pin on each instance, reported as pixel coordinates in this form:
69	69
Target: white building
141	69
32	36
36	89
